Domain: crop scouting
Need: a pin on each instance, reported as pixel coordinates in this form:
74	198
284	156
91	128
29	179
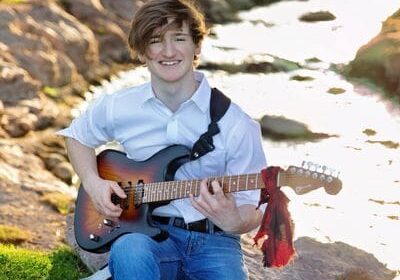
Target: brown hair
155	13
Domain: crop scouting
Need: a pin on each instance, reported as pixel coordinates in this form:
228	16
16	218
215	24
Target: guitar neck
162	191
300	180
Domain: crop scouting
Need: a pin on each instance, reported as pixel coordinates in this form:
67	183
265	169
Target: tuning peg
313	166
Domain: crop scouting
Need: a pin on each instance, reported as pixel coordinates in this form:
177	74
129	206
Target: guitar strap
219	104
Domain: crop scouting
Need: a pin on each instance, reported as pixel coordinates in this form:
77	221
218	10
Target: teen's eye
155	40
180	39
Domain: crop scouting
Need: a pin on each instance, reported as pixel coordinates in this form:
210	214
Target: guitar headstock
310	176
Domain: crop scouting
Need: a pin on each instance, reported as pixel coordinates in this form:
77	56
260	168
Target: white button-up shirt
143	125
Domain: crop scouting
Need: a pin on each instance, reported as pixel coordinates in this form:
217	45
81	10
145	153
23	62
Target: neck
174	94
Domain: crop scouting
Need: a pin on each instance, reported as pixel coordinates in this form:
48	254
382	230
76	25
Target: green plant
26	264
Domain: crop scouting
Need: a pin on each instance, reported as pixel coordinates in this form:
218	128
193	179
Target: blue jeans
183	255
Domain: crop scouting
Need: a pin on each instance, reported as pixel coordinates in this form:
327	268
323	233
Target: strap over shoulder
219	104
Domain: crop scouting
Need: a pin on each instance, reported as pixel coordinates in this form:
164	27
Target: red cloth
276	224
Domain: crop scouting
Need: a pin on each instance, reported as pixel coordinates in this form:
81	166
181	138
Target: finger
204	190
117	190
217	189
200	206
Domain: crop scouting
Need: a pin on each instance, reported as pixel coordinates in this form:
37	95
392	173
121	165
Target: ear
142	58
197	50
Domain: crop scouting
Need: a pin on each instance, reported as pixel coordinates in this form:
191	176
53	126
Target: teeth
169	63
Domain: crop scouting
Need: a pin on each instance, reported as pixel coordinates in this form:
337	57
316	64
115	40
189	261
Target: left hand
219	207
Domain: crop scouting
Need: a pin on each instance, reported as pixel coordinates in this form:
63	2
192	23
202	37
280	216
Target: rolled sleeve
94	127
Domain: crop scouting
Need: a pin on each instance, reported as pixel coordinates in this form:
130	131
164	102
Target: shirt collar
147	93
201	96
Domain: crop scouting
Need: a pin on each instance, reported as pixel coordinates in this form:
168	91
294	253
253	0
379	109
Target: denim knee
132	245
131	256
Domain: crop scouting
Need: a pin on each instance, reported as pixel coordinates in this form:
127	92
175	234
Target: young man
174	108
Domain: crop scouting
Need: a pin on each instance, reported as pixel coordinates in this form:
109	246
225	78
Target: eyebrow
178	33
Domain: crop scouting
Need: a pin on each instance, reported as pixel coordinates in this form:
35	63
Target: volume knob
94	237
108	222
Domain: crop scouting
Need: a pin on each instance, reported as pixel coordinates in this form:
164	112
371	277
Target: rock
218	11
64	171
252	64
93	261
109	25
336	90
379	59
323	261
16	83
17	121
58	47
51	160
317	16
280	128
240	4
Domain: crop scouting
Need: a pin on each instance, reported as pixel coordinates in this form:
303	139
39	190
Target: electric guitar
151	181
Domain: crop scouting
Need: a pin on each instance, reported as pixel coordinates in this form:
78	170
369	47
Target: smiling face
170	54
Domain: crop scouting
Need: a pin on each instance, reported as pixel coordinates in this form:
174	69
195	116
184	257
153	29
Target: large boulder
280	128
51	45
379	59
109	21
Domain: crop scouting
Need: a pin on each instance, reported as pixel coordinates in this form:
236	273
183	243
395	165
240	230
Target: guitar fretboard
170	190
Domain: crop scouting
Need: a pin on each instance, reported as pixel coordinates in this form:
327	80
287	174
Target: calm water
369	171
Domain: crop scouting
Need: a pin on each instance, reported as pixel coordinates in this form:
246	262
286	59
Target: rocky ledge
379	59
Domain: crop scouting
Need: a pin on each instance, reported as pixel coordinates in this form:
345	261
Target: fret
247	181
151	193
175	193
257	181
149	198
187	192
154	192
169	191
238	183
159	193
190	187
229	185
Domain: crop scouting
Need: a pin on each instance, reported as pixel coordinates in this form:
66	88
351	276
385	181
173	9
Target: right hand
100	192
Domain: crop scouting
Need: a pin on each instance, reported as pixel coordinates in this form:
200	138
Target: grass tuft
60	202
26	264
13	235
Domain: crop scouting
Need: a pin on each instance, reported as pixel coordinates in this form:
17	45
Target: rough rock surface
379	59
314	260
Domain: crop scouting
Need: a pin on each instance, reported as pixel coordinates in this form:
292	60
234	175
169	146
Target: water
366	213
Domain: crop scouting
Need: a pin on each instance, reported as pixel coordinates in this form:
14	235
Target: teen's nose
168	48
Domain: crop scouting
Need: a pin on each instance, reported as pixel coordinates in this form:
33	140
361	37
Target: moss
13	235
13	1
313	60
24	264
369	132
336	90
60	202
388	144
301	78
51	92
317	16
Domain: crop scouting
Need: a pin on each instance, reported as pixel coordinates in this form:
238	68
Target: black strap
219	104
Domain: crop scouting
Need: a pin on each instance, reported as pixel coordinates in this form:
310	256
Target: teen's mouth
170	63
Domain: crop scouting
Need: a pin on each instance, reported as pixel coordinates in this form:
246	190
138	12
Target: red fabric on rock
276	223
